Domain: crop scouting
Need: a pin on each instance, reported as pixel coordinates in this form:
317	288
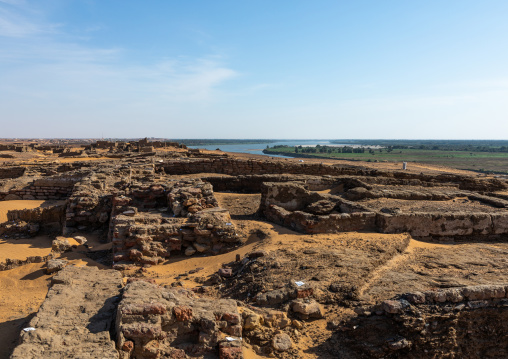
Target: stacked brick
153	322
235	167
149	222
291	205
146	238
12	172
188	197
87	207
461	322
38	215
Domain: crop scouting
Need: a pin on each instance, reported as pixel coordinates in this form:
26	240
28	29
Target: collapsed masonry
454	322
149	213
444	213
154	322
87	314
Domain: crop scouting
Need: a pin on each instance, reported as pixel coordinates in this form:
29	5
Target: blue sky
254	69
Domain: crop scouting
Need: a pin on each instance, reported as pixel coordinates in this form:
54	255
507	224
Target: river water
257	149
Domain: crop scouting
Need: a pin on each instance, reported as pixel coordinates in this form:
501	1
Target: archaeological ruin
196	254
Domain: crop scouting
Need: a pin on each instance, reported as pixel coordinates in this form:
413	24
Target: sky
285	69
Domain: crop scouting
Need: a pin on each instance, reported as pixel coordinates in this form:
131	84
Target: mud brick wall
12	172
444	225
88	207
235	167
38	215
291	205
13	263
45	188
253	183
469	322
144	239
312	224
153	322
190	196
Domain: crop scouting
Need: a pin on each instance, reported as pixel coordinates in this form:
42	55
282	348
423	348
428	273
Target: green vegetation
482	159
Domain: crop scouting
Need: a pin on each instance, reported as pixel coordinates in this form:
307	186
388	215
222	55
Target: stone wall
444	225
149	222
468	322
88	207
12	172
39	215
146	238
291	205
153	322
13	263
308	223
235	167
253	183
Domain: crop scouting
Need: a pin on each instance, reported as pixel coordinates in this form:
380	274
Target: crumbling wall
39	215
333	223
42	189
153	322
87	207
444	225
12	172
468	322
145	239
291	205
235	167
76	317
187	197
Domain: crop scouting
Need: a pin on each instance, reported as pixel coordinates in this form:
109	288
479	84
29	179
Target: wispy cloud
18	20
42	65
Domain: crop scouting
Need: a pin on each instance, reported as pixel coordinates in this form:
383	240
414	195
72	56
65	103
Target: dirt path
396	261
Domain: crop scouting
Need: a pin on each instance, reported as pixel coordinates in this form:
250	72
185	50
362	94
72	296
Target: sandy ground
24	248
22	291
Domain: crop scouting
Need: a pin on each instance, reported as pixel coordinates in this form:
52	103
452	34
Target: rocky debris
230	350
461	322
55	265
321	207
156	322
76	318
307	309
226	272
19	229
282	342
60	245
80	239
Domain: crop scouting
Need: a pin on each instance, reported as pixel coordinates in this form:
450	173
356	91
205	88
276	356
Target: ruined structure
153	207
